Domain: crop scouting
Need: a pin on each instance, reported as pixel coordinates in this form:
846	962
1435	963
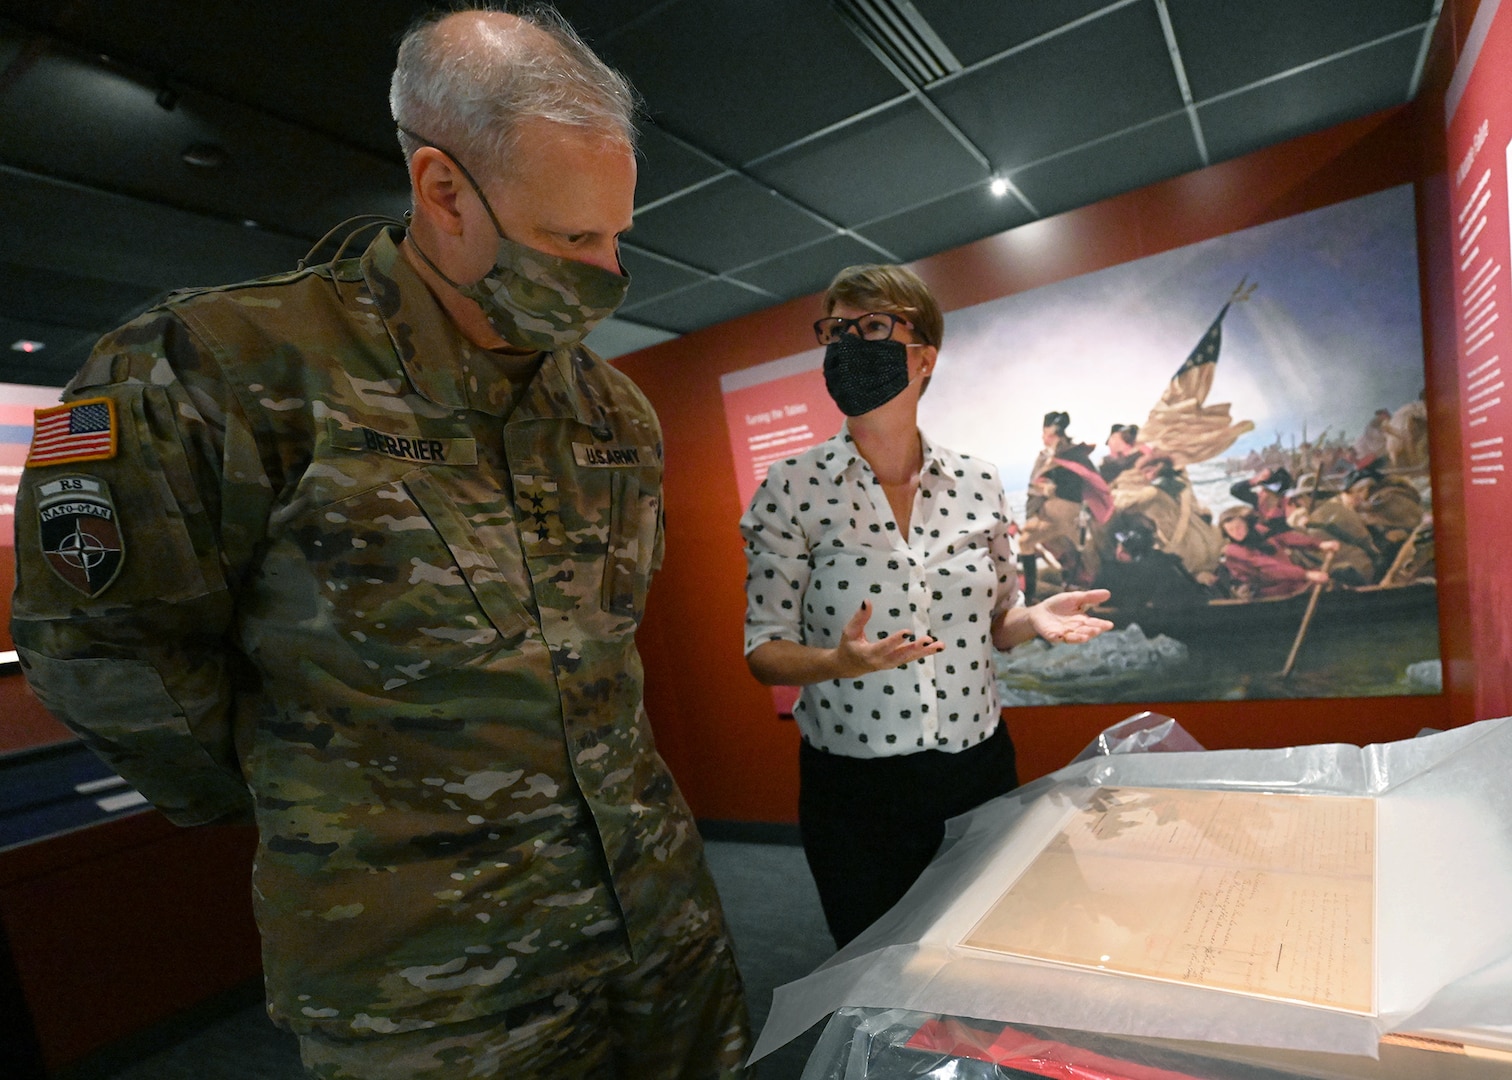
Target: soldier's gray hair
471	95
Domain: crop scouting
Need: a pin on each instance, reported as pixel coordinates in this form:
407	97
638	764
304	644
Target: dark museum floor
769	900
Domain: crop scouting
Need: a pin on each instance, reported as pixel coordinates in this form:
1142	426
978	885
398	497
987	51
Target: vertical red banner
1479	126
774	411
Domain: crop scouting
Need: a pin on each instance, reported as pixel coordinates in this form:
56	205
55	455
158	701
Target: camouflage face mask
534	300
540	301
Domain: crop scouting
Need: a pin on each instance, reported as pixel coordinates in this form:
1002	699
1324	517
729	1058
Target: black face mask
862	375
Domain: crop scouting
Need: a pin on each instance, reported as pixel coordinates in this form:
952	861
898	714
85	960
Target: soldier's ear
436	187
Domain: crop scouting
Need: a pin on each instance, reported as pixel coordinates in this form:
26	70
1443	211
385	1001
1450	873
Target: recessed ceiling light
27	346
998	187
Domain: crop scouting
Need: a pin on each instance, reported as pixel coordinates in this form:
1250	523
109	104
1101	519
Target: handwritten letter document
1264	894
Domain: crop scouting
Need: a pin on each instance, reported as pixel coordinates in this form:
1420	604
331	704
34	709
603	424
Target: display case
112	919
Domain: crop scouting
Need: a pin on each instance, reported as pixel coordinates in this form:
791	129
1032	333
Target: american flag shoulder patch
79	431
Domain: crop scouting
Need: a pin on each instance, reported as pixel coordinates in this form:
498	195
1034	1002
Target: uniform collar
446	368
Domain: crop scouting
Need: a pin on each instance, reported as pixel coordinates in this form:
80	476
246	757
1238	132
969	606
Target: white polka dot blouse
820	538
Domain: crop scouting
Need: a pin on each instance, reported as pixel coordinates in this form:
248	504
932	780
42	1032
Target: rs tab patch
81	532
79	431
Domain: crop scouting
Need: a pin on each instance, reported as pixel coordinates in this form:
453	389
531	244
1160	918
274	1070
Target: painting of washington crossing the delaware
1231	437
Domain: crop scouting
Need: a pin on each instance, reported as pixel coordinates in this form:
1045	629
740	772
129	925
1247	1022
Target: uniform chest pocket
592	524
411	589
632	539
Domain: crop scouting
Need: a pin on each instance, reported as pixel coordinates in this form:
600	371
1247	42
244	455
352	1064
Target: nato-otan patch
81	534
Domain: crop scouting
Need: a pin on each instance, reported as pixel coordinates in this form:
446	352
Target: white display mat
1374	879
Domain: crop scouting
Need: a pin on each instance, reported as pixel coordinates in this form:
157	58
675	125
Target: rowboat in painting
1338	608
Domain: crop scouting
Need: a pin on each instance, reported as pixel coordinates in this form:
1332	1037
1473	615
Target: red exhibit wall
717	727
1479	153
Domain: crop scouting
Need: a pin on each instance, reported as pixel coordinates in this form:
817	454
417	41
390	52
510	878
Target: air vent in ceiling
896	29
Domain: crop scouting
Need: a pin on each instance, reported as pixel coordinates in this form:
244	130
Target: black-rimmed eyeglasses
873	326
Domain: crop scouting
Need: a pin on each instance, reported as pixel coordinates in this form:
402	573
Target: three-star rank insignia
81	534
538	507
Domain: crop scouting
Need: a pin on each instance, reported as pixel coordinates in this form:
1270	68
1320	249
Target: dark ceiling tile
72	118
875	166
742	82
326	66
1278	35
1327	94
946	223
667	166
35	292
703	305
729	223
599	22
1124	162
651	275
809	269
976	29
1105	76
71	229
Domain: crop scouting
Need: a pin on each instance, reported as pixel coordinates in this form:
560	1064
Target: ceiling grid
1179	68
783	138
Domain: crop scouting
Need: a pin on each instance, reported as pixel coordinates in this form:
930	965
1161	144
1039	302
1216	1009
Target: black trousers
871	825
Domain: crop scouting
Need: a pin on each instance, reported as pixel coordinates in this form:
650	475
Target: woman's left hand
1063	617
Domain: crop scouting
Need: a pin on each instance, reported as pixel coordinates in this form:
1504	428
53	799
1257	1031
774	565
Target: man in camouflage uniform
362	549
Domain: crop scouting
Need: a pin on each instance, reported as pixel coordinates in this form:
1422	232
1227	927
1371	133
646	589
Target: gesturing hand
1063	616
856	655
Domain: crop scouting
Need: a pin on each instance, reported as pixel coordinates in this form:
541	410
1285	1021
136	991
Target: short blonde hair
886	287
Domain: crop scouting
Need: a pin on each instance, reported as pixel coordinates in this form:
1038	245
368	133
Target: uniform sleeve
125	559
1004	552
777	564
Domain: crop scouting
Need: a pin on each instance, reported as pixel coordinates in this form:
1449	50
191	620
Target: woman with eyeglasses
881	577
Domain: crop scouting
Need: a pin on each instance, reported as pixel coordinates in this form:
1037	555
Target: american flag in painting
82	431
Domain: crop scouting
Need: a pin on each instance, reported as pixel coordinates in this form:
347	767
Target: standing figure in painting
1372	445
882	576
1058	448
1407	436
1123	452
1257	566
1055	530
